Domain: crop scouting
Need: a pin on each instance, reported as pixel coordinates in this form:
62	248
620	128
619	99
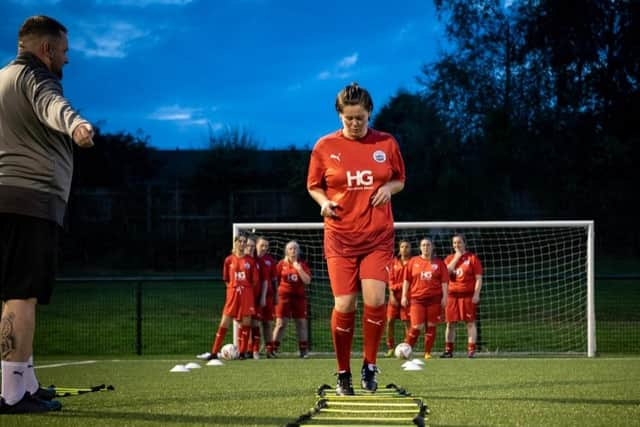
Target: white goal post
538	291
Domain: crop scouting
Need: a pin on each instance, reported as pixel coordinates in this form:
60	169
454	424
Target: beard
56	70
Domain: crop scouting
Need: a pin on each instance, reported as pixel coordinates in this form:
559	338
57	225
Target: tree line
530	112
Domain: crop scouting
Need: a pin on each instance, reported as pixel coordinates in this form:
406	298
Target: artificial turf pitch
485	391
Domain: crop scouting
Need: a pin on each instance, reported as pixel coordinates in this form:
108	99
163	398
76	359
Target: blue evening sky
177	68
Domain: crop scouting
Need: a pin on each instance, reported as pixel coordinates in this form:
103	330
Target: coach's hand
83	135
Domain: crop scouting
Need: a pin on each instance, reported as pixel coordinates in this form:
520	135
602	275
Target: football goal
538	283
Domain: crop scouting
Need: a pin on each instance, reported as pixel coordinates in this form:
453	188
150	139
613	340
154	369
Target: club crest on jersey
379	156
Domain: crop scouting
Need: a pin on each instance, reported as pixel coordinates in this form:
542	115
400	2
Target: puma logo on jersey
375	322
335	156
344	330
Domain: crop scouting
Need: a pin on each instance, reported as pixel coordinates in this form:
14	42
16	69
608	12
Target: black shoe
271	355
44	393
369	380
446	355
29	405
344	386
211	356
304	354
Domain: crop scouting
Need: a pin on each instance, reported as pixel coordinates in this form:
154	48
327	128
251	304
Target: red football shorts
265	314
429	311
460	309
397	311
291	306
239	303
345	273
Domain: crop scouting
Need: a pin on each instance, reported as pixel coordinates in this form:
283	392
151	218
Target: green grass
181	317
459	392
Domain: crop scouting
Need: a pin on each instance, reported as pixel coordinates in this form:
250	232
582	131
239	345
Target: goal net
537	294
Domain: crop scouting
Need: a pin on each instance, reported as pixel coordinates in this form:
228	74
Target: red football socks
222	331
342	325
373	320
414	334
429	338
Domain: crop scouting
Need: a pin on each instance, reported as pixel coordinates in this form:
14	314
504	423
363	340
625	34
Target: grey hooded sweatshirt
36	148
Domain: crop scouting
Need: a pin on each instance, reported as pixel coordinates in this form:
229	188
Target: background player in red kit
425	280
293	275
240	274
259	301
465	282
352	175
268	265
394	309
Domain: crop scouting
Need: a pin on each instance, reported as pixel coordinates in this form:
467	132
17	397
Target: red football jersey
425	277
350	172
289	281
463	279
269	265
240	271
396	276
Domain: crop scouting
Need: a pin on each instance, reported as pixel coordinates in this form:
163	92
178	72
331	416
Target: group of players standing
423	290
258	289
424	287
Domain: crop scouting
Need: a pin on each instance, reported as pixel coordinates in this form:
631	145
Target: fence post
139	318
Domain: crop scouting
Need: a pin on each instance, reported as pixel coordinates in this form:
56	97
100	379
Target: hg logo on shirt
292	278
359	178
425	275
240	275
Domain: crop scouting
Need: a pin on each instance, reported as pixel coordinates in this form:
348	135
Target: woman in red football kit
353	173
465	282
394	309
259	295
293	275
241	275
268	264
425	280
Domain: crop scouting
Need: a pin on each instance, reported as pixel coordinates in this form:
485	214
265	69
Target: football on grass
229	352
403	351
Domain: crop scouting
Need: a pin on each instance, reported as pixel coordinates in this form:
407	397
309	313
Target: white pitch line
57	365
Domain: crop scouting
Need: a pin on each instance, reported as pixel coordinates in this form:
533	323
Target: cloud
110	40
143	3
180	115
348	61
341	70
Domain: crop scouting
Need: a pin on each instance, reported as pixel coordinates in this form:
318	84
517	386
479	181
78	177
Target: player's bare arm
405	291
384	193
445	287
451	266
306	279
476	290
327	207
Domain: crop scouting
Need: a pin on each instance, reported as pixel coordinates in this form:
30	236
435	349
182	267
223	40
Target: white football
229	352
403	351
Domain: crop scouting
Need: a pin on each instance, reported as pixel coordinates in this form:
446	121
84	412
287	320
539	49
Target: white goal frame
587	224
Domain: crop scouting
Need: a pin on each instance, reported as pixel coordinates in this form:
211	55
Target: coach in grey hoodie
38	128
